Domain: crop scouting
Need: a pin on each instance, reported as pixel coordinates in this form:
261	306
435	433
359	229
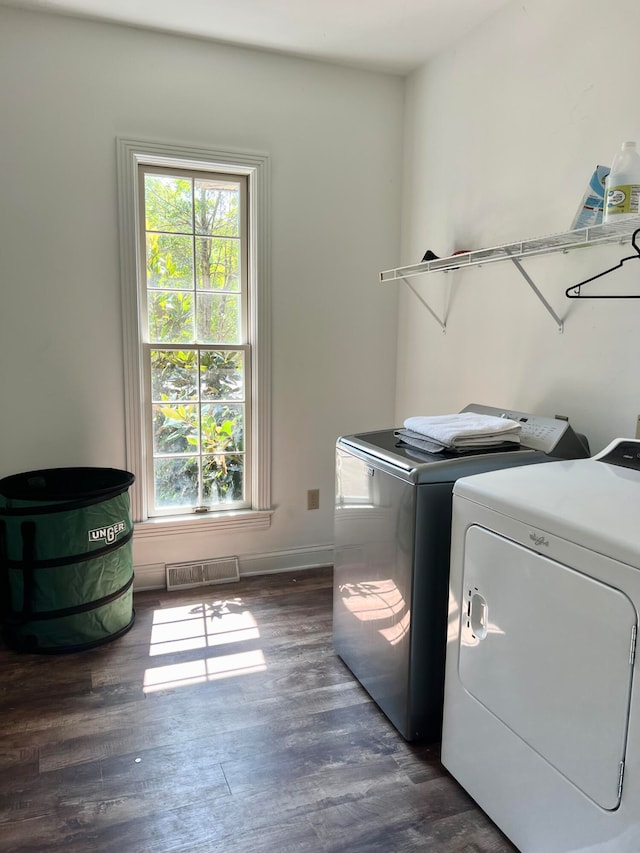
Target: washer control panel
553	436
625	453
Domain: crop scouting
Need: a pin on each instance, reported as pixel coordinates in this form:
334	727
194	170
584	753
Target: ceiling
393	36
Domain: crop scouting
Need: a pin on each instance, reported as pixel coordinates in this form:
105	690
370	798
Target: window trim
131	153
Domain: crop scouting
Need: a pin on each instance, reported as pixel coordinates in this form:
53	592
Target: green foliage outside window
194	299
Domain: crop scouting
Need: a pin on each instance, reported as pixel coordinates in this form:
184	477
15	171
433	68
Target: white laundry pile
460	432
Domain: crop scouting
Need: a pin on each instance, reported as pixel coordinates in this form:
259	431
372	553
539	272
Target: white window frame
131	153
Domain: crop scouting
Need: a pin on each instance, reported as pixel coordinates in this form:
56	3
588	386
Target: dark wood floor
223	721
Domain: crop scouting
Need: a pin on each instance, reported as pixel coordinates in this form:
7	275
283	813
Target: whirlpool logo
107	534
538	540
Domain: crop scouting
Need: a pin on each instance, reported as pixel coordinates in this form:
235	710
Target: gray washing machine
391	566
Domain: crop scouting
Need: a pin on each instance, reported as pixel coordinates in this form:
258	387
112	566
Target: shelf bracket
440	322
525	275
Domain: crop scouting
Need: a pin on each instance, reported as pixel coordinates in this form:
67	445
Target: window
195	290
194	331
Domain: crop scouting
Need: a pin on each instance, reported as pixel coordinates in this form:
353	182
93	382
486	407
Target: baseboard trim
153	575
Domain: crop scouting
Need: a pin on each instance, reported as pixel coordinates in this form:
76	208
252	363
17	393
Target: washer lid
541	438
419	467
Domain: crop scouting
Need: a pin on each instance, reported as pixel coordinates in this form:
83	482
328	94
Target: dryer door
546	649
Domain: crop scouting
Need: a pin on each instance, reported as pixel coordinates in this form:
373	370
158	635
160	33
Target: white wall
68	88
502	134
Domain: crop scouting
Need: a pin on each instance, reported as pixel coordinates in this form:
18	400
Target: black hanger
574	291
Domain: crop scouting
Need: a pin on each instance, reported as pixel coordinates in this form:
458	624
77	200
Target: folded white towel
466	429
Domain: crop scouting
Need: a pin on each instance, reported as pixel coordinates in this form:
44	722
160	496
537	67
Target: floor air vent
185	575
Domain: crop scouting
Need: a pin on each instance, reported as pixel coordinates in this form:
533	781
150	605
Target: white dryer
542	707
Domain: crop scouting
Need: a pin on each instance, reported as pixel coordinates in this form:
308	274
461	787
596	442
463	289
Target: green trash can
66	565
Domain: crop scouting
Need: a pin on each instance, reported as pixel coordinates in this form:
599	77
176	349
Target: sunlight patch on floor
202	626
178	629
198	671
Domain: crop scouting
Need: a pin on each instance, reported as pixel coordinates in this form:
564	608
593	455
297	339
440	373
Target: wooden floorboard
223	722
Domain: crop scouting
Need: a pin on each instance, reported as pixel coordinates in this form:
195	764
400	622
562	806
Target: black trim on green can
5	585
50	490
50	509
30	643
58	562
82	608
28	530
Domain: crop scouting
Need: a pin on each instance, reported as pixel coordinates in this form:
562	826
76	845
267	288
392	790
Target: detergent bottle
622	195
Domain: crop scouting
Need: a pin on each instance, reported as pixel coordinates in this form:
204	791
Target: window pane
170	317
176	482
169	261
217	208
218	318
174	375
168	203
195	287
222	428
217	263
223	478
175	429
222	375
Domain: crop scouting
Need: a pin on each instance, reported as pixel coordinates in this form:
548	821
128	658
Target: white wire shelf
610	232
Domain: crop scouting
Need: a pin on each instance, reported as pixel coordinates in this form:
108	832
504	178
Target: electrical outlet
313	499
638	427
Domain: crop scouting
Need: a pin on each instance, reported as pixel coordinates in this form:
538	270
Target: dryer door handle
479	615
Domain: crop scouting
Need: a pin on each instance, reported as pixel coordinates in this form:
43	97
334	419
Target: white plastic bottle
622	197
